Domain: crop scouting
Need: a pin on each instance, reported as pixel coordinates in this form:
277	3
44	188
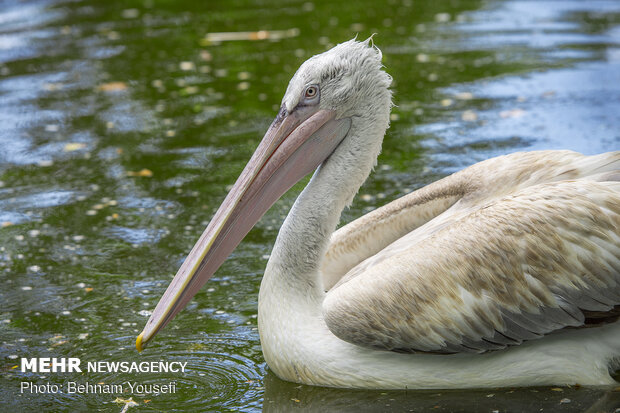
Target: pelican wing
371	233
478	279
460	193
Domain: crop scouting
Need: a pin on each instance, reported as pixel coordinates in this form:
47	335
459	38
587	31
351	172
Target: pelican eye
311	92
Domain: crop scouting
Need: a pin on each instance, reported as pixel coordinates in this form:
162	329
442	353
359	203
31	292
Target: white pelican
487	277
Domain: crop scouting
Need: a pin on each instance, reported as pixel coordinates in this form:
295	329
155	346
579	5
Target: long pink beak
295	145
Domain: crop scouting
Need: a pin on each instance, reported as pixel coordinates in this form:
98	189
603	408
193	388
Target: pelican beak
295	145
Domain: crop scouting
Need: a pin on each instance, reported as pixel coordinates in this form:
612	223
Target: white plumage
504	274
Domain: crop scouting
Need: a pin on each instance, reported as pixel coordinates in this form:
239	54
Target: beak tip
139	344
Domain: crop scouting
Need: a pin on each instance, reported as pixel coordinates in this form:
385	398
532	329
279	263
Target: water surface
123	124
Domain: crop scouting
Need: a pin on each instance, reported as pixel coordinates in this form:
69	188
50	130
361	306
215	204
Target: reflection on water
281	396
123	123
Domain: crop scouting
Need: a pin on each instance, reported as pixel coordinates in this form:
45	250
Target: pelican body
504	274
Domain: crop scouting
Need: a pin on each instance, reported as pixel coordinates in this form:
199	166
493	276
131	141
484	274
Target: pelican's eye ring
311	92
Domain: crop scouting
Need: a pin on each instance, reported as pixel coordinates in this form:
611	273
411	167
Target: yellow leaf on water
112	87
74	146
147	173
124	401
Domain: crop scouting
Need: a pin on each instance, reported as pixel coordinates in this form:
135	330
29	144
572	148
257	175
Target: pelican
506	273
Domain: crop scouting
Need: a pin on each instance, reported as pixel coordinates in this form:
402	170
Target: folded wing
514	269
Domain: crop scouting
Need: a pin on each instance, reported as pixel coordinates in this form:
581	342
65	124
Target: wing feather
516	269
490	179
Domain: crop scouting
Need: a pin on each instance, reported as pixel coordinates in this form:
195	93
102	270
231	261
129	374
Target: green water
122	124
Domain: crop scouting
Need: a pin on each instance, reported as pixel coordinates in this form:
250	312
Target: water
125	122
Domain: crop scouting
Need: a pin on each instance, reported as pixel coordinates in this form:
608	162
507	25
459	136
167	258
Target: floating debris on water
512	113
422	58
74	146
253	36
114	35
206	55
190	90
187	66
50	87
357	27
469	116
112	87
130	13
464	96
147	173
221	73
57	340
127	403
442	17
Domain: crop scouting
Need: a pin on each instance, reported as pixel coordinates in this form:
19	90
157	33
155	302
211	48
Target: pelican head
349	78
332	101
